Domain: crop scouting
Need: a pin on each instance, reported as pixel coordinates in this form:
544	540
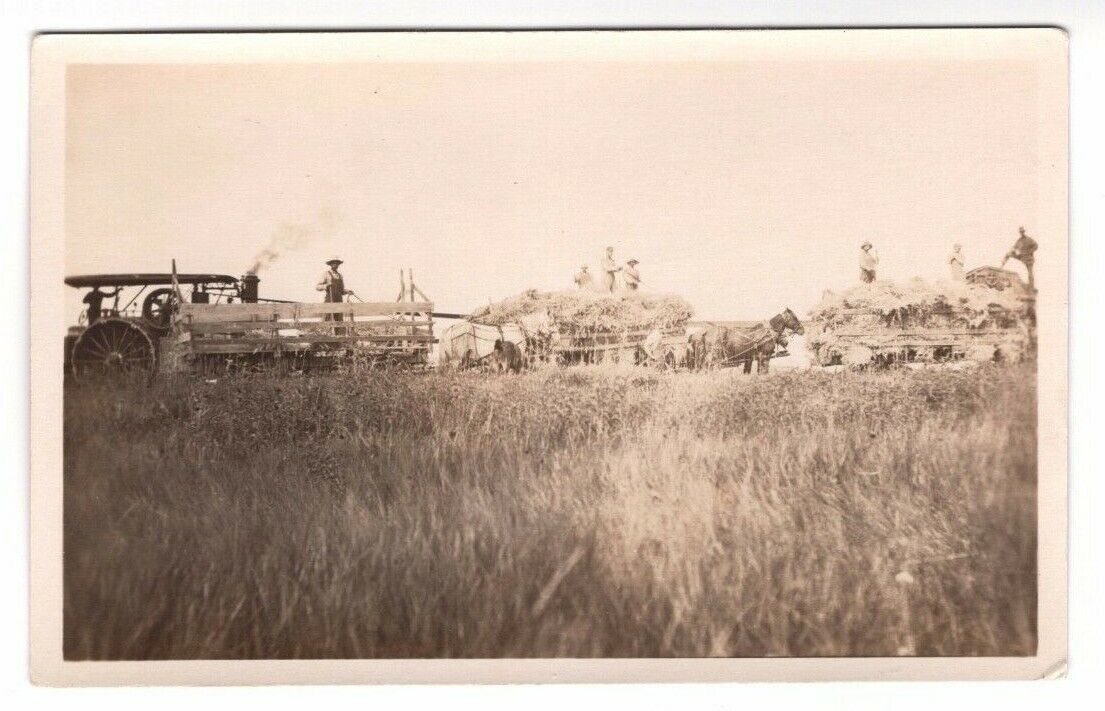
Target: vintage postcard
549	356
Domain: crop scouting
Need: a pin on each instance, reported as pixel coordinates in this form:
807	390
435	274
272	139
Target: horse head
792	322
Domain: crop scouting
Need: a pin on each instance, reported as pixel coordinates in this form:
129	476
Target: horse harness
526	337
769	333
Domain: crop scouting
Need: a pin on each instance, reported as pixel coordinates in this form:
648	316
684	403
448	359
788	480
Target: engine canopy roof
153	279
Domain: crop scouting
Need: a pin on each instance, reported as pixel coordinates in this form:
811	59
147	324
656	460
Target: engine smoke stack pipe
248	288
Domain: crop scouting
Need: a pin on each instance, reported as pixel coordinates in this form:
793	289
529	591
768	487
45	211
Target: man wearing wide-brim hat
1024	251
868	261
332	284
583	278
630	276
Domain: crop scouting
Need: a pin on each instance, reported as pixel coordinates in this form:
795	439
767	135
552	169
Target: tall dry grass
577	512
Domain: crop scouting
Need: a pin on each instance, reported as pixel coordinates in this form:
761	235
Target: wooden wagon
656	347
471	343
1004	330
300	335
944	335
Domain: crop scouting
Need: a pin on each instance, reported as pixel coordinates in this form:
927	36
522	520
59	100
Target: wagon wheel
112	346
158	307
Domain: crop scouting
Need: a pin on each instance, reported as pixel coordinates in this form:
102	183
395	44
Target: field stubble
575	512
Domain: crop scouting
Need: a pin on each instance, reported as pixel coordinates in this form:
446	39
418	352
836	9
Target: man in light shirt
955	263
868	261
583	279
610	270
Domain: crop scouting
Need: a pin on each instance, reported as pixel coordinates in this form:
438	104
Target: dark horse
727	344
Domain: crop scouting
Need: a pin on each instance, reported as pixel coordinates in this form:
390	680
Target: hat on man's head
632	261
865	244
334	260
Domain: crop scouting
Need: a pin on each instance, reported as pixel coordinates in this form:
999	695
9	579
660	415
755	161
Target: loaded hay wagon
570	327
657	347
472	344
988	317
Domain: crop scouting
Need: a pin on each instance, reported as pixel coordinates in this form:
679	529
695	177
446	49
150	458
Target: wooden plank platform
304	327
214	313
233	347
324	328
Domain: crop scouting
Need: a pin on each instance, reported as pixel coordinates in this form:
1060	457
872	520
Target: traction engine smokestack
248	288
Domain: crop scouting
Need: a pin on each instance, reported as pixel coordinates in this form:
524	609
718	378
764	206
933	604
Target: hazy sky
743	186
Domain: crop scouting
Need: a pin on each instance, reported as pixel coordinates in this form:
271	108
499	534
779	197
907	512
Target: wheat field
576	512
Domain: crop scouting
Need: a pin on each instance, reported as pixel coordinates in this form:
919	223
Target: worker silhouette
332	284
1024	251
95	301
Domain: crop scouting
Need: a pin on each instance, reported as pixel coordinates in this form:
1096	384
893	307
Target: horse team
701	346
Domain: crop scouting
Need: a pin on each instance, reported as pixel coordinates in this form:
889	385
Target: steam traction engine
217	322
122	330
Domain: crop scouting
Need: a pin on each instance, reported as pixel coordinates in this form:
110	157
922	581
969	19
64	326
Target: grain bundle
584	312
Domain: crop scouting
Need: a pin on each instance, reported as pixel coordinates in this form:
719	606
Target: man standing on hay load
955	264
610	270
631	276
583	279
868	261
1024	251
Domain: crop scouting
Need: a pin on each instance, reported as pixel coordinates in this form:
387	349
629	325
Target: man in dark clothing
1024	251
95	301
332	284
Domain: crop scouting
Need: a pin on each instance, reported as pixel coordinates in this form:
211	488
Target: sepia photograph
552	346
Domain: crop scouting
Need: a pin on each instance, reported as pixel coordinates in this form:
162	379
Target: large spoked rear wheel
112	347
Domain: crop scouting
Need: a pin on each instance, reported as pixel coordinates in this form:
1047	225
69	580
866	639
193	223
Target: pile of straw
583	311
916	302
